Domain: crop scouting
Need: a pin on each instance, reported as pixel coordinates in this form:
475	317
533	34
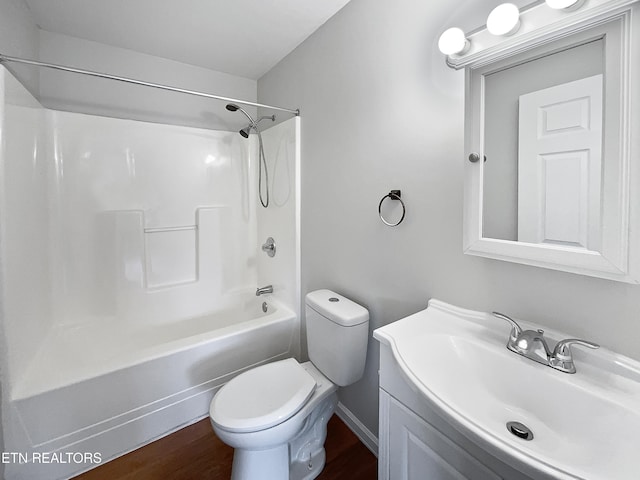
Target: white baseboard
357	427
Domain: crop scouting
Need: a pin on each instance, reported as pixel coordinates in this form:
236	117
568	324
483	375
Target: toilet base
306	450
310	469
302	458
271	464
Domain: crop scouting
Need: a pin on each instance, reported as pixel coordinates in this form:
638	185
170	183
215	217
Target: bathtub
110	388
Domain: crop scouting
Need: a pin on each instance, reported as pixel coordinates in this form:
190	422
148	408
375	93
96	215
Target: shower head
253	125
232	107
246	131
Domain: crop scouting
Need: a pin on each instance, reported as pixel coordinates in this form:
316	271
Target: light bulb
453	41
504	20
564	4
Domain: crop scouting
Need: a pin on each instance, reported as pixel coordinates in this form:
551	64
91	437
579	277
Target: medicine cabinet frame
618	22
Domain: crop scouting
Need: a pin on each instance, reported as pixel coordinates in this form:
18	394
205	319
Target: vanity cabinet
456	404
415	443
418	451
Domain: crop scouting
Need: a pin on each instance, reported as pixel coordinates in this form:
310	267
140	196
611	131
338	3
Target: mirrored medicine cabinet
552	139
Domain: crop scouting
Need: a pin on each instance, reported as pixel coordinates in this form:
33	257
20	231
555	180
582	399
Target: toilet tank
337	336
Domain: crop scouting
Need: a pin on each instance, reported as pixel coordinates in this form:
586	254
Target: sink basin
585	425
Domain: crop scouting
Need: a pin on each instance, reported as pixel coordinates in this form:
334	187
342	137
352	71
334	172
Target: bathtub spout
263	290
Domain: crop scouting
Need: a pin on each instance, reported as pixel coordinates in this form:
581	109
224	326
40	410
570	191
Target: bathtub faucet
263	290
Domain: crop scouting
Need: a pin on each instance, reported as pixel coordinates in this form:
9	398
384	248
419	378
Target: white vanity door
417	451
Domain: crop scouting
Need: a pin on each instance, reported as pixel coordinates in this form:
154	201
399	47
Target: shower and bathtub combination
131	254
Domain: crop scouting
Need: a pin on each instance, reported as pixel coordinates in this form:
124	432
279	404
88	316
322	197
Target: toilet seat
262	397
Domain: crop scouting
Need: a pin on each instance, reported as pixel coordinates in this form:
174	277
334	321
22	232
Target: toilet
275	415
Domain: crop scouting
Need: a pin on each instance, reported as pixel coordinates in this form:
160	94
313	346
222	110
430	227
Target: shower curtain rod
7	58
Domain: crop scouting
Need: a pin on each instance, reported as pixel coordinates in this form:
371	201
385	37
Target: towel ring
393	195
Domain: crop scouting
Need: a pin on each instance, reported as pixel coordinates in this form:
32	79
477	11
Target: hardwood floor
196	453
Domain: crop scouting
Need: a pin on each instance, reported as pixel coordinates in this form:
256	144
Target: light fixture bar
539	23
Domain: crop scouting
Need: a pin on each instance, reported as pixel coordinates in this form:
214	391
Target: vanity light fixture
564	4
502	30
453	41
504	20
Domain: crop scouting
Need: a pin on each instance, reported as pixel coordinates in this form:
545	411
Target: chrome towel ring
393	195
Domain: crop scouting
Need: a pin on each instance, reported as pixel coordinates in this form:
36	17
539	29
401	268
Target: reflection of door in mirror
502	135
559	164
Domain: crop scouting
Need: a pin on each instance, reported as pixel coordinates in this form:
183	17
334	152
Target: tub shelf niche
171	256
158	257
168	272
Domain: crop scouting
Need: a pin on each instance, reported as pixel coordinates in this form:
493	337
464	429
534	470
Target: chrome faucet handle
562	360
269	247
562	351
516	330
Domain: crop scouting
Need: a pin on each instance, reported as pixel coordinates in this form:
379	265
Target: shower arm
266	117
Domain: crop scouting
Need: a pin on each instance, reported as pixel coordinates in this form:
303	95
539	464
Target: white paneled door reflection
559	164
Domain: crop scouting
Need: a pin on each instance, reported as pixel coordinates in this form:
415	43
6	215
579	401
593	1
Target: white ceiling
241	37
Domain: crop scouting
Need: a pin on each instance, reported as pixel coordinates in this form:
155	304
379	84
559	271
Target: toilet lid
262	397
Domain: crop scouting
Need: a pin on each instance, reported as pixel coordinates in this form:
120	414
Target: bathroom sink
584	425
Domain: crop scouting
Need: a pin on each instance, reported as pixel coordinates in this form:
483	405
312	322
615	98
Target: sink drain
520	430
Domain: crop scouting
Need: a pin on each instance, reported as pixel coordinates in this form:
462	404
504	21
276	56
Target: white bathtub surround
282	151
26	271
130	259
150	222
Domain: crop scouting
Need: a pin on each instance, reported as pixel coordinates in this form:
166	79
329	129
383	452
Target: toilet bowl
263	451
275	415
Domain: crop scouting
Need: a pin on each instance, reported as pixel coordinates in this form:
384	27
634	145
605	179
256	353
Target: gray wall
380	110
19	38
95	96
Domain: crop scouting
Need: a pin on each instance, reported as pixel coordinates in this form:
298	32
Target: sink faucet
532	345
562	359
263	290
